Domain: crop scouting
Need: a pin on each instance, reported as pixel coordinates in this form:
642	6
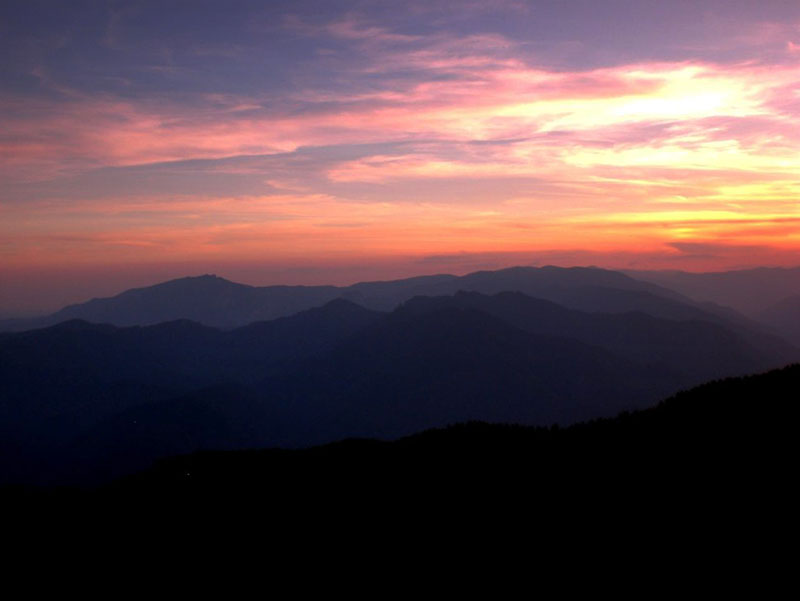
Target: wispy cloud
422	143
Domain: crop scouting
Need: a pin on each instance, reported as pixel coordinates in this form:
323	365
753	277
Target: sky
309	142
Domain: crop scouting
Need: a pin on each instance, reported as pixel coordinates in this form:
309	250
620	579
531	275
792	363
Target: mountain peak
205	282
206	277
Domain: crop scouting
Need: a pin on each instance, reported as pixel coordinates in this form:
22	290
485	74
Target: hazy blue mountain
736	433
749	291
217	302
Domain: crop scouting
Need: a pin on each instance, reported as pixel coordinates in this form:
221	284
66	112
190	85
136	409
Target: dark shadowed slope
709	468
720	453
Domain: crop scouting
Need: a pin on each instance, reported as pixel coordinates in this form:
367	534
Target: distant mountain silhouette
216	302
81	400
206	299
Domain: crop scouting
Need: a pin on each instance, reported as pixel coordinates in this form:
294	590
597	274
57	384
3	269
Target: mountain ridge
86	393
221	303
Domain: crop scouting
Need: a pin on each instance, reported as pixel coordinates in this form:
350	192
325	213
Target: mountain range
217	302
86	402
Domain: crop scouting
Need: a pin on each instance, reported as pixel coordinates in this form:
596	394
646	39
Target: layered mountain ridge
217	302
89	402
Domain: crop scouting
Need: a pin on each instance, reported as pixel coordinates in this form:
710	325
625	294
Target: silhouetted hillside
714	459
723	448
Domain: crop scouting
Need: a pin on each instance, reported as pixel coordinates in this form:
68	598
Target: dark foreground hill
722	454
737	429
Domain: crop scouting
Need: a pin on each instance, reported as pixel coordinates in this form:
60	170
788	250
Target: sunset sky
332	142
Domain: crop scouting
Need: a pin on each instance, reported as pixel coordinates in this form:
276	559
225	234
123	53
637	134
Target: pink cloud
486	103
633	156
